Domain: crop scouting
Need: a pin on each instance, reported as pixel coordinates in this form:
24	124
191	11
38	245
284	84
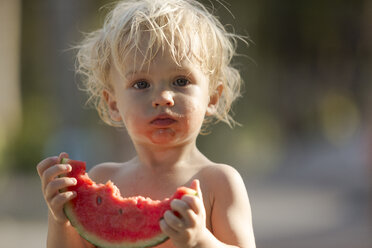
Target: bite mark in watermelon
106	219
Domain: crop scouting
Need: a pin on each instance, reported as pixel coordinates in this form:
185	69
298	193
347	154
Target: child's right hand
49	169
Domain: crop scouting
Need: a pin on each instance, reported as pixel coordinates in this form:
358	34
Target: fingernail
71	193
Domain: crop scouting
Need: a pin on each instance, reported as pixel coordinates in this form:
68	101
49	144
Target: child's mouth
163	122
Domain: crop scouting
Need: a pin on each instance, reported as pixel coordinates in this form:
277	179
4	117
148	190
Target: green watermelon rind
94	239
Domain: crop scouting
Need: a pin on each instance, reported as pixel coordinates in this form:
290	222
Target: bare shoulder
222	170
224	178
103	172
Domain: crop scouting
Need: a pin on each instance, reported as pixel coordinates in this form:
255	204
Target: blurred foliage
307	73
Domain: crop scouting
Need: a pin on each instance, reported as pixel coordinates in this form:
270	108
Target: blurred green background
304	147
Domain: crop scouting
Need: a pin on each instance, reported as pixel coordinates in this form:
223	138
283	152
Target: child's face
163	104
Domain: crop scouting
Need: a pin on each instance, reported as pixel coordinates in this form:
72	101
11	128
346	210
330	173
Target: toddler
161	69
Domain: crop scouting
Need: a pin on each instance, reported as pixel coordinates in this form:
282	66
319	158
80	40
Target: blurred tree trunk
10	104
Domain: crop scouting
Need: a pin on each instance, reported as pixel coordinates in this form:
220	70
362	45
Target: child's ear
112	104
213	100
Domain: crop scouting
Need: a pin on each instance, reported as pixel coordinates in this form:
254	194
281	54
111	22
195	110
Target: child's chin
163	136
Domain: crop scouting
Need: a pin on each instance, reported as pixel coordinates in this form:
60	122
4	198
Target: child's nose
164	98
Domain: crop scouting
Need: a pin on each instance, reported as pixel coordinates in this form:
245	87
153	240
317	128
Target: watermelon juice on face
161	69
164	112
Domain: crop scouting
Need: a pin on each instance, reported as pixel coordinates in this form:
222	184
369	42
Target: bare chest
160	189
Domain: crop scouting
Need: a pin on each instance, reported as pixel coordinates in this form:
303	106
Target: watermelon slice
106	219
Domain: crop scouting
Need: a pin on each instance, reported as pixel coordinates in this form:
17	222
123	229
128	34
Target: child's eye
141	85
181	82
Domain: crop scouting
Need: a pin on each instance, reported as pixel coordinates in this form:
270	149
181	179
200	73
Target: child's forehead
144	57
140	64
147	44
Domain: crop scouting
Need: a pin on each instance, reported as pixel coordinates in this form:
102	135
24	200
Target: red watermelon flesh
103	217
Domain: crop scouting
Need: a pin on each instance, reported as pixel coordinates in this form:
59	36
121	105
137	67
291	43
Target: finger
179	206
186	214
62	155
45	164
166	229
58	184
54	171
173	221
59	201
193	202
195	185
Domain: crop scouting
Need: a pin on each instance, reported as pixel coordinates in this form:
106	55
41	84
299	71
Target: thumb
195	185
61	156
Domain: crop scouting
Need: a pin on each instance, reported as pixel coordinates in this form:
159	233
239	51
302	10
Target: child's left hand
189	228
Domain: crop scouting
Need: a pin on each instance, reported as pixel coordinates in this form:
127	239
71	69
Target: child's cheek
196	109
133	120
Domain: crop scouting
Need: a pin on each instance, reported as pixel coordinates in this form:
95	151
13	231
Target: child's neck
167	158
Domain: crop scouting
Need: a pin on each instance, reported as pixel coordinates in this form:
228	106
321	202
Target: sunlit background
304	147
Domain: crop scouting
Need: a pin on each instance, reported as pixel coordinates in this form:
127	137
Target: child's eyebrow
130	73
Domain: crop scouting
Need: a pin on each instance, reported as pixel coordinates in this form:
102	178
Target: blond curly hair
185	27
